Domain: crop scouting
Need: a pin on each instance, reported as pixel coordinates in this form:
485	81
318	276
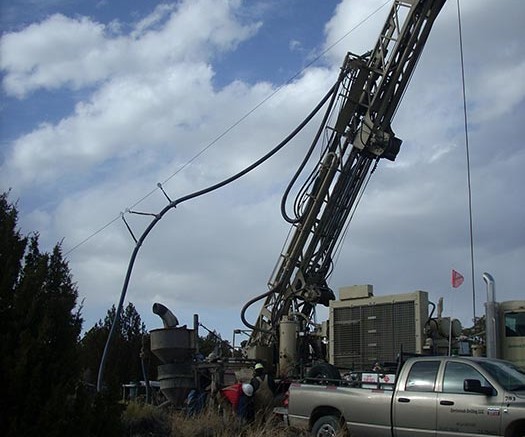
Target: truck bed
364	395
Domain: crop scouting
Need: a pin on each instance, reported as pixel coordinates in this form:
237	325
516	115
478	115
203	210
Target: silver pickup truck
429	396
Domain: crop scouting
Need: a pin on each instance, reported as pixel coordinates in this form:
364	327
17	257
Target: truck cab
444	396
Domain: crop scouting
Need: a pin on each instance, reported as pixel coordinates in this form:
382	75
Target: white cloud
155	18
154	86
502	86
295	45
353	27
58	51
149	104
78	52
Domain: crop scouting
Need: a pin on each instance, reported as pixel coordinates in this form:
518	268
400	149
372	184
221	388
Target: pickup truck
428	396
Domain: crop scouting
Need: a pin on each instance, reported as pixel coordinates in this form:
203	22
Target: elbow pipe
168	318
489	280
491	318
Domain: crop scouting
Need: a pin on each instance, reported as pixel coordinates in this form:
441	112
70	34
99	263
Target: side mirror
474	386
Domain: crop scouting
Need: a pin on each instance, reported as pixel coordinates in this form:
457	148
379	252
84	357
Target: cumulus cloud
77	52
146	104
502	87
124	114
58	51
353	27
151	83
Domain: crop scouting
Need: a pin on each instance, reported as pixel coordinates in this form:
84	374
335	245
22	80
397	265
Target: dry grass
213	424
144	420
139	419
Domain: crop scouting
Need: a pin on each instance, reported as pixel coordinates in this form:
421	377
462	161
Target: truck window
456	373
422	376
515	324
510	376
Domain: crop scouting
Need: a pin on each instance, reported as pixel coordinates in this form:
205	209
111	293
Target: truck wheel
519	432
516	430
322	373
329	426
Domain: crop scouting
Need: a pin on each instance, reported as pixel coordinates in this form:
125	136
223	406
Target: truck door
466	413
415	404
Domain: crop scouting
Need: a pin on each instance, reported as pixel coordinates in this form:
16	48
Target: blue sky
100	101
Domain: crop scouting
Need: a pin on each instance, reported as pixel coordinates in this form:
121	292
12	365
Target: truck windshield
515	324
511	377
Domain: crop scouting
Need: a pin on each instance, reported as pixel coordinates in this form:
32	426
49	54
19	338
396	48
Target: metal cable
214	141
465	118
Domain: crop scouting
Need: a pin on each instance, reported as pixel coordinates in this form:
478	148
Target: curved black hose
174	204
308	155
144	366
249	304
427	323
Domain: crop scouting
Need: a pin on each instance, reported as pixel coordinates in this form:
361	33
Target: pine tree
123	362
40	325
213	344
12	248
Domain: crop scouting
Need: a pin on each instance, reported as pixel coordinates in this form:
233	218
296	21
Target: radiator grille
369	333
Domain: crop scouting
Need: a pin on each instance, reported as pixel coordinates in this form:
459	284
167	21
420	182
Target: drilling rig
365	98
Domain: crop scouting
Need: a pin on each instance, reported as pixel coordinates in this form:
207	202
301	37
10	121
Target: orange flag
457	279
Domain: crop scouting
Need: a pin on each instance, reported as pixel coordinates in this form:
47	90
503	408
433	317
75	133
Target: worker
240	399
245	408
264	391
232	394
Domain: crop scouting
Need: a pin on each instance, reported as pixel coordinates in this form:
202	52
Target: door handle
404	400
446	403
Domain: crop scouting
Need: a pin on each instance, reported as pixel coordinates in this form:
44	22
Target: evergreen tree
123	362
213	344
40	327
12	248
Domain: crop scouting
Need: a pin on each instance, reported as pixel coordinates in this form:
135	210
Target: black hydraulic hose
145	375
249	304
431	313
173	204
308	155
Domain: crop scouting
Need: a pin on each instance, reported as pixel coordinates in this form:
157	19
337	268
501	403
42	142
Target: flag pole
455	281
450	317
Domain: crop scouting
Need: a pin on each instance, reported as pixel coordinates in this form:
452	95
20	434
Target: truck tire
520	432
516	430
329	426
322	373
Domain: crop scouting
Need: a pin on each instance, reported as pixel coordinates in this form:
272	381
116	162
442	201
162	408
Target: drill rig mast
366	95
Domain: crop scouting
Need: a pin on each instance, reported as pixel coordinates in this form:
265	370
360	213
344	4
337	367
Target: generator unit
365	329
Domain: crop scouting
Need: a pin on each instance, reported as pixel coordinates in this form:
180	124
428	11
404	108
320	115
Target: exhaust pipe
168	318
491	318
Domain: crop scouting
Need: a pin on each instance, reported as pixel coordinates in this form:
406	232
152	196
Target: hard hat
259	366
247	389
